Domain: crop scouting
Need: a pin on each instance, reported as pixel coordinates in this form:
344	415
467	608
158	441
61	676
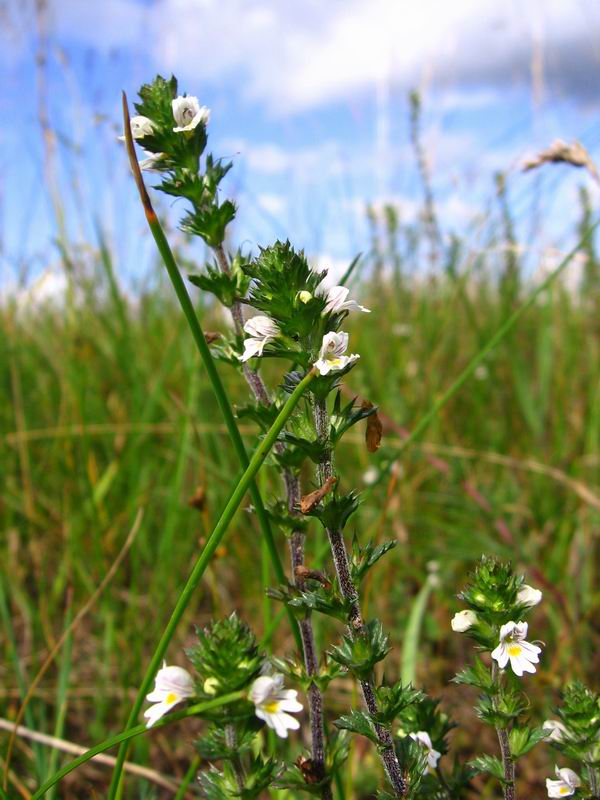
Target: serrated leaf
489	765
358	722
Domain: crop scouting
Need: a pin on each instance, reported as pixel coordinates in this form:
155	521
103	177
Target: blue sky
310	101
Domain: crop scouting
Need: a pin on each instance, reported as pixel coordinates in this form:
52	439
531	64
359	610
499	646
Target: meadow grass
107	410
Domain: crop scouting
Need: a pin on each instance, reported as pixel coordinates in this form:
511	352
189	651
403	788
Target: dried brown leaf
309	501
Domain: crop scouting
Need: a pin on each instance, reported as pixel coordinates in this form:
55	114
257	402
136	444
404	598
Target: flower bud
463	620
210	686
304	297
528	596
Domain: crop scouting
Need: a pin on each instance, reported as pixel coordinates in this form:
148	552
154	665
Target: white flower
424	739
172	685
262	330
463	620
331	356
565	786
140	127
188	113
513	647
336	302
272	702
556	730
150	163
528	596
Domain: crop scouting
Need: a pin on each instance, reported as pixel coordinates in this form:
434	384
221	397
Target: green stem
188	778
203	561
132	733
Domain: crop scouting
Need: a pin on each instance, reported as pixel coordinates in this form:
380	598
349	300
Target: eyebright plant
497	600
283	308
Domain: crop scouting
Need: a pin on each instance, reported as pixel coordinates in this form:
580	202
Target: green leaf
360	654
335	510
477	675
358	722
523	739
363	558
393	700
488	765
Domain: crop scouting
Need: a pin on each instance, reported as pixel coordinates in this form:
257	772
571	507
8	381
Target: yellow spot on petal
564	790
271	708
514	650
335	362
171	698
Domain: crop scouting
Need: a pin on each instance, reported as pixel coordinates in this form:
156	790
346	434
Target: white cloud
293	56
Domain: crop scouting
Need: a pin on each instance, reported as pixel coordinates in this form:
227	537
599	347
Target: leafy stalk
293	492
204	559
356	624
508	764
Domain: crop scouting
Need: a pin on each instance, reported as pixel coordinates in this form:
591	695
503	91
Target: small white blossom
140	127
336	302
262	330
424	739
370	475
150	164
272	702
529	596
513	647
188	113
172	685
331	356
565	786
556	731
463	620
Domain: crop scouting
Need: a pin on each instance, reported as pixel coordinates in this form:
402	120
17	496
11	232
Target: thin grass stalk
293	491
138	730
203	561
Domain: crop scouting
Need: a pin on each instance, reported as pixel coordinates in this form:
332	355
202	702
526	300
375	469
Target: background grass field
105	410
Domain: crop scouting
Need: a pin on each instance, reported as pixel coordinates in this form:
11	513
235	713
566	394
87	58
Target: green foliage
579	712
477	675
279	275
210	221
213	745
358	722
522	739
360	653
363	558
503	708
492	591
424	715
226	286
181	152
393	701
225	656
490	765
342	418
335	510
322	599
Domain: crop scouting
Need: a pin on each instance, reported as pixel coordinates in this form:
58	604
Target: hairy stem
356	623
507	759
593	777
293	492
236	762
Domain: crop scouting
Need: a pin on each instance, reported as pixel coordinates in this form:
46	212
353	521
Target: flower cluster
497	600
